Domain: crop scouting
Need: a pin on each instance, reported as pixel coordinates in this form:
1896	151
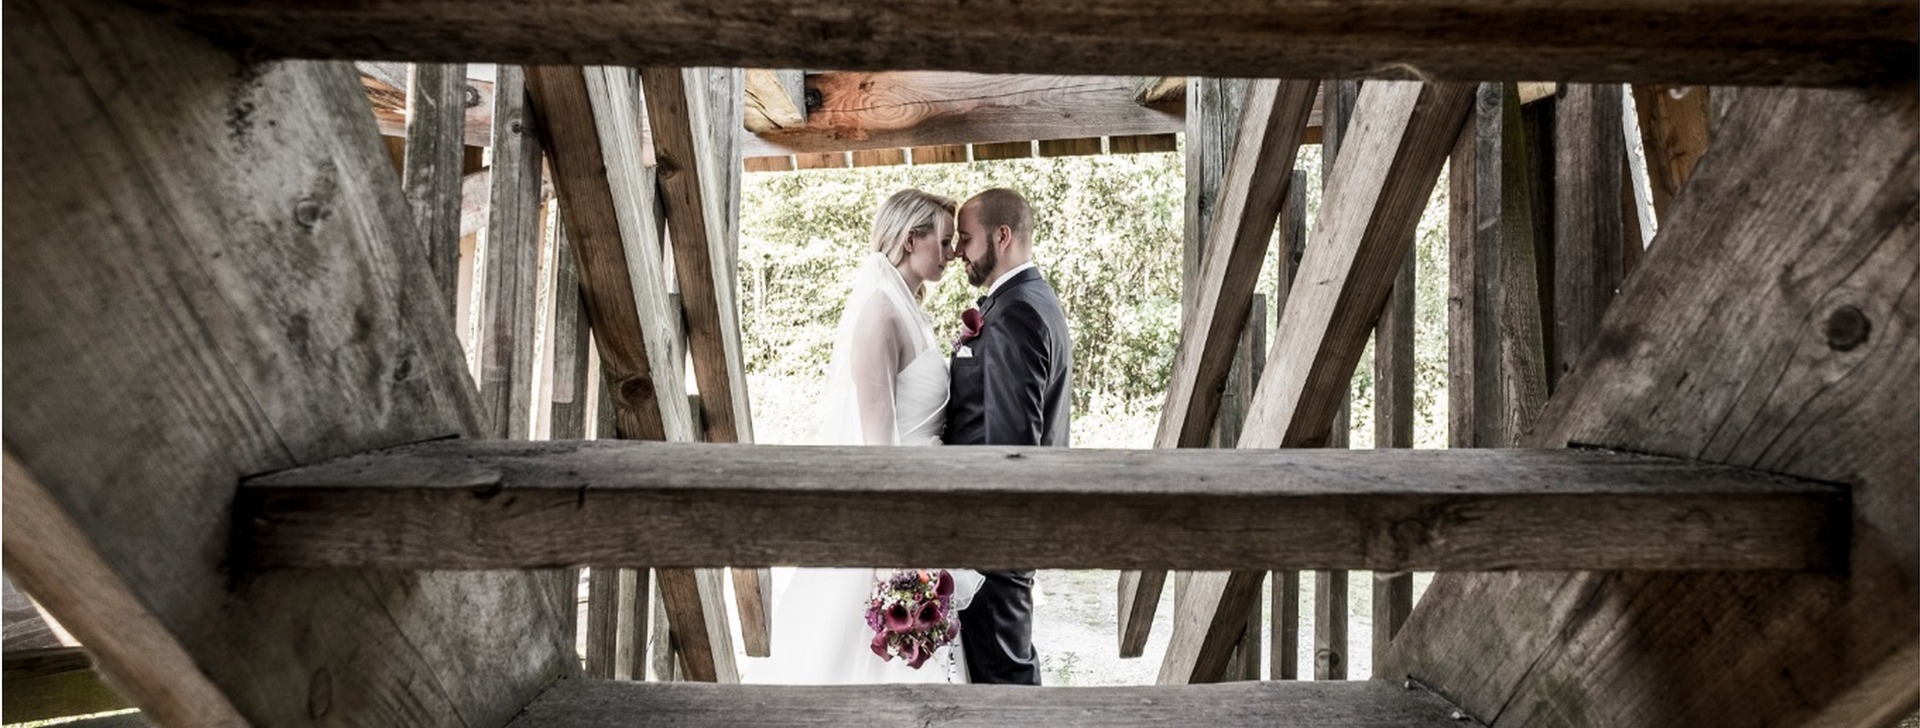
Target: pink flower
899	619
880	646
970	323
915	657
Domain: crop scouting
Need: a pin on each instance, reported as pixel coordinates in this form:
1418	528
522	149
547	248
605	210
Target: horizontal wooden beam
1792	42
775	99
499	505
924	108
596	703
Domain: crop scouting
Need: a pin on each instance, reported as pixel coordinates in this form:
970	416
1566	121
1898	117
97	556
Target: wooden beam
1071	147
27	628
775	100
436	103
1673	127
1587	234
1807	42
890	110
1153	90
701	257
943	154
1002	150
1286	583
510	276
1258	159
1497	358
600	704
1378	187
388	93
1752	336
180	311
1373	201
591	122
511	504
879	157
1142	144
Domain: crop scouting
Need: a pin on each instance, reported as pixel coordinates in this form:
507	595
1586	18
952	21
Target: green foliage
1107	235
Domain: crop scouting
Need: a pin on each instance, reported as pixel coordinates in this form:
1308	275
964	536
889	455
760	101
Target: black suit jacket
1013	390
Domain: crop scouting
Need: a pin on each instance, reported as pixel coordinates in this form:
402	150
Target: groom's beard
978	270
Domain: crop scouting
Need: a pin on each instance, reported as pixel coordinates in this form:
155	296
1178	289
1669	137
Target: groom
1009	387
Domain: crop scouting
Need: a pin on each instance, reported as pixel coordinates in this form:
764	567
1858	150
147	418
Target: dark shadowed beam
1770	328
1807	42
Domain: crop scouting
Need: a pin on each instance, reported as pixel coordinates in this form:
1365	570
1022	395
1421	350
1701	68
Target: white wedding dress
820	635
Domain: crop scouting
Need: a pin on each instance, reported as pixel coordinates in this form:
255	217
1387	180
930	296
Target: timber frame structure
256	468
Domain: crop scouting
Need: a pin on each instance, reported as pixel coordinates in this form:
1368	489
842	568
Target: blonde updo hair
908	213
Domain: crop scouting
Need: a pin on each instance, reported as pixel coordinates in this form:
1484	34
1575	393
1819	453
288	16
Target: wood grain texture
528	504
387	90
697	609
603	614
1401	137
889	110
775	99
1072	147
636	623
510	274
701	251
55	683
1693	41
1588	233
1673	128
436	107
1142	144
1002	150
1284	639
1772	327
942	154
591	703
227	280
572	345
1330	638
608	205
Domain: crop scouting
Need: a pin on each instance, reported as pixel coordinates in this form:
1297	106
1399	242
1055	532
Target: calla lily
944	588
928	615
880	646
898	618
914	656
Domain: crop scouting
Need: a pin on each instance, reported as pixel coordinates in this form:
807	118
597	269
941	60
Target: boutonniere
970	323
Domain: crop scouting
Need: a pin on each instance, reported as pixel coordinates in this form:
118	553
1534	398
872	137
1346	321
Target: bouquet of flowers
911	613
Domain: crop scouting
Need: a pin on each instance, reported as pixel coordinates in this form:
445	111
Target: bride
886	385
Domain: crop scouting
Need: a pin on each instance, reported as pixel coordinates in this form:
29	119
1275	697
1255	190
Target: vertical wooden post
1393	428
1330	587
1249	362
1285	656
436	120
603	614
636	622
1588	233
1673	127
512	261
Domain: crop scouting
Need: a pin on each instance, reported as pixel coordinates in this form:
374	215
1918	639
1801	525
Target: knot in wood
472	97
308	212
1848	328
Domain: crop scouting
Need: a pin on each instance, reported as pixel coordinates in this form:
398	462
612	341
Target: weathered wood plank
592	703
212	271
636	625
1401	137
1852	42
603	615
1393	370
1587	231
890	110
1375	192
607	202
510	275
1253	167
1330	633
769	164
776	99
1002	150
701	255
697	609
879	157
1142	144
436	108
1392	604
1286	584
662	503
387	85
1771	327
828	160
1673	128
1285	641
1072	147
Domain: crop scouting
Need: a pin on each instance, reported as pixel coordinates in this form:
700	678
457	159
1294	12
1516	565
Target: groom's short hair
1002	206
